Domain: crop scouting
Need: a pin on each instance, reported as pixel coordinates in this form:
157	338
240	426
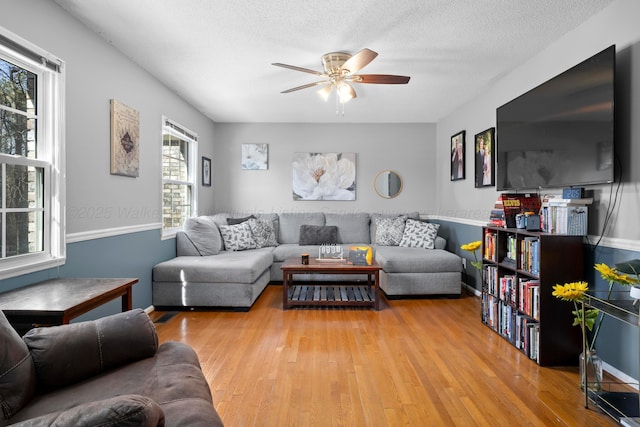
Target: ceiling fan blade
359	60
385	79
293	89
304	70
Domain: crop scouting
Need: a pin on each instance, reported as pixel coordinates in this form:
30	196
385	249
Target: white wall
96	73
617	24
405	148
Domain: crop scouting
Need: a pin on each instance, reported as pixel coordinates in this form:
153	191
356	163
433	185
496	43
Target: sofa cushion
104	344
237	237
235	221
318	234
226	267
352	227
263	232
122	411
389	231
17	372
399	259
290	223
204	234
419	234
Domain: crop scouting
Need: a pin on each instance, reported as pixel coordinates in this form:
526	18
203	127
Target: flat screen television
561	133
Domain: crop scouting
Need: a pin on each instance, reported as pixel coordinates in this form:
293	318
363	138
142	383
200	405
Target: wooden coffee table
306	293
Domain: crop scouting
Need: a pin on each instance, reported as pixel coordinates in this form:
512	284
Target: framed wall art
125	140
457	156
324	176
484	147
255	156
206	172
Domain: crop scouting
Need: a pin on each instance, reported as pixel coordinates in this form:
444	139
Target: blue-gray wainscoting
125	255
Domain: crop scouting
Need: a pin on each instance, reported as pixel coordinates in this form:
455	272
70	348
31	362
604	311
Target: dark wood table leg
127	299
285	290
376	291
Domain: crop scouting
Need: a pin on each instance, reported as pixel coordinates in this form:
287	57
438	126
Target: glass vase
592	377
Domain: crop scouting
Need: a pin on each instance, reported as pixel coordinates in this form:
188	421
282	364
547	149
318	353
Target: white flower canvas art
255	156
324	176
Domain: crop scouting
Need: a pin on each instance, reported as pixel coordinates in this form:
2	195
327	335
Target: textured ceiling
217	54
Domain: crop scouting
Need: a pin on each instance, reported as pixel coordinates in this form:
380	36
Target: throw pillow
419	234
235	221
17	372
318	234
237	237
204	234
389	231
263	232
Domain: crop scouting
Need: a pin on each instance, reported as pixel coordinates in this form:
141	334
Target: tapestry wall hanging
125	140
324	176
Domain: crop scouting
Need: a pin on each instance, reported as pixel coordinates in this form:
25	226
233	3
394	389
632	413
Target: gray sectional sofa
226	261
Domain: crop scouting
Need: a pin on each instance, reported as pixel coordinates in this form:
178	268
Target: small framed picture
255	156
457	156
484	147
206	172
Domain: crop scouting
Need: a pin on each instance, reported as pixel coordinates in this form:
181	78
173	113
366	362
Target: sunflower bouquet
575	292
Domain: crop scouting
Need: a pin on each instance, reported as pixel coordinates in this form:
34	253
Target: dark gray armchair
110	371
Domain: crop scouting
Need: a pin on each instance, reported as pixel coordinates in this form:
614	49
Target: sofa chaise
226	261
107	372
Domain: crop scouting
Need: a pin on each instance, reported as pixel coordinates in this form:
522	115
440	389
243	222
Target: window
31	158
179	190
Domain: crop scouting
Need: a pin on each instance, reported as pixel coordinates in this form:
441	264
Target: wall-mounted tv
561	133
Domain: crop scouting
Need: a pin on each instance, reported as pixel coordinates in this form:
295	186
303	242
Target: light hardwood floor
418	362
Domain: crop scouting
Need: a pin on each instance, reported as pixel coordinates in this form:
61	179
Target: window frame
50	130
179	131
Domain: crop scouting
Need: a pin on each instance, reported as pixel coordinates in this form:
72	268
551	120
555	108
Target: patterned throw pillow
263	232
419	234
237	237
389	231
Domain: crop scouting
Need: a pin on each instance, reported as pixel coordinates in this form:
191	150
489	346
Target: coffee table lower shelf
331	295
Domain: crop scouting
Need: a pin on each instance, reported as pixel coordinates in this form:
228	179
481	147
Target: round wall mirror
388	184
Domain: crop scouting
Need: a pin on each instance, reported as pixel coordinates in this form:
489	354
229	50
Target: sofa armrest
125	410
70	353
185	246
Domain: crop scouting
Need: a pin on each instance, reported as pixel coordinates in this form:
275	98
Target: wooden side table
57	301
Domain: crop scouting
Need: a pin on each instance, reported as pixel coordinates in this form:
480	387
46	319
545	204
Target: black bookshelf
531	319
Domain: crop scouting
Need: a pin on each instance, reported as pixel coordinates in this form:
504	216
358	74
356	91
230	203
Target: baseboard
619	375
471	290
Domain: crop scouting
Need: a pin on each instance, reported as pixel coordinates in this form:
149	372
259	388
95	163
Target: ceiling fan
339	74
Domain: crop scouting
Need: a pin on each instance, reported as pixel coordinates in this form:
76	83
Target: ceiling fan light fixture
325	91
345	92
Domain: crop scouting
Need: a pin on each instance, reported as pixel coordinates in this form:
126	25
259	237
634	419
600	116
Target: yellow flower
612	275
471	247
573	291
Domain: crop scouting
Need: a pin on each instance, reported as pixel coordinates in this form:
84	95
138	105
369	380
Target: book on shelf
529	297
490	277
509	205
571	220
558	201
507	291
530	255
489	245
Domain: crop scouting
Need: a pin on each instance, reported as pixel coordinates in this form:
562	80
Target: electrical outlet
464	263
